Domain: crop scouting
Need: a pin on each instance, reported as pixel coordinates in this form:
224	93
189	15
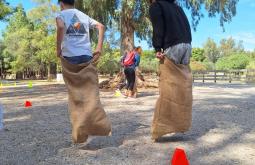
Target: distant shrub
208	65
197	66
198	54
108	64
251	65
149	65
235	61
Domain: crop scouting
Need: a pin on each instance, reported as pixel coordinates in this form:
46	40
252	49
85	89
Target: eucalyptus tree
5	9
132	15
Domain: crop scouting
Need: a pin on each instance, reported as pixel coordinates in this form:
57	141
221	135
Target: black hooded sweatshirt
170	25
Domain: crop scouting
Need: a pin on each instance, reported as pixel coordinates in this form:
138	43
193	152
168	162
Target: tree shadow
48	130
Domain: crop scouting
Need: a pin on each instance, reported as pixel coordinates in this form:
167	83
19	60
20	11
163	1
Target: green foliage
108	64
5	9
132	16
235	61
46	49
17	40
211	51
251	65
225	9
198	54
149	64
208	65
229	46
197	66
2	67
148	54
29	39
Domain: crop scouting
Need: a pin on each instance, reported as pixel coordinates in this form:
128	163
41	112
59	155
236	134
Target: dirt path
223	131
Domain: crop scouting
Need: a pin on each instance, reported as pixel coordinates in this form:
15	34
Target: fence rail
245	75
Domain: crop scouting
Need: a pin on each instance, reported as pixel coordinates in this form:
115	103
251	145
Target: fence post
230	79
203	77
246	76
215	76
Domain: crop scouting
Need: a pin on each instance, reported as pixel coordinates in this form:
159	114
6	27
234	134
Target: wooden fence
244	75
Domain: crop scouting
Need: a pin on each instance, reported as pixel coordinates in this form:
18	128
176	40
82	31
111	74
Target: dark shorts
79	59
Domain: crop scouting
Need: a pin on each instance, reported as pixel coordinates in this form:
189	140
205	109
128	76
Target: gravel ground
223	130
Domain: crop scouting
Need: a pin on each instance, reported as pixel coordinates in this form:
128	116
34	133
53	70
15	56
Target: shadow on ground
39	133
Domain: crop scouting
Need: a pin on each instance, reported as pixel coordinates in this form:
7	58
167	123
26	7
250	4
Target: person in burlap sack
80	75
172	43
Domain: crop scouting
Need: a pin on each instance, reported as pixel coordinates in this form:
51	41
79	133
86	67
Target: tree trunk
53	70
127	40
48	70
19	75
127	29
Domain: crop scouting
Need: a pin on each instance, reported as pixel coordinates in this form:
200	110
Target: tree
43	20
5	9
30	40
211	51
229	46
132	15
198	54
17	39
1	59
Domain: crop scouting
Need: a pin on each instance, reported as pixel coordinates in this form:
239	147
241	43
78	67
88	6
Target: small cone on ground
118	93
179	157
30	84
28	104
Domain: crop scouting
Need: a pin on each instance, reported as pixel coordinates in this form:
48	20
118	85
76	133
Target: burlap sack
86	112
173	111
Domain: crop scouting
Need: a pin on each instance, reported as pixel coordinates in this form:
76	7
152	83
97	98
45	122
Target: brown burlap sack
86	112
174	107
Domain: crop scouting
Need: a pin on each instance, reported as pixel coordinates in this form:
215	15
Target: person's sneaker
118	93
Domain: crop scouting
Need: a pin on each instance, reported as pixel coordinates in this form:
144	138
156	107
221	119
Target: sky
242	26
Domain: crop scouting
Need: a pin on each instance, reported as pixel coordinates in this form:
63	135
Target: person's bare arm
60	35
101	30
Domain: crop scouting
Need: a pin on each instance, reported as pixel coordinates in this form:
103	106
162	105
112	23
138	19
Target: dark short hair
69	2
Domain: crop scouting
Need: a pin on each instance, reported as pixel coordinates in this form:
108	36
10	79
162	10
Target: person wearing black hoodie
172	43
171	31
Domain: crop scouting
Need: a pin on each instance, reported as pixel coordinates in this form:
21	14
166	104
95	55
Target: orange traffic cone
179	157
28	104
